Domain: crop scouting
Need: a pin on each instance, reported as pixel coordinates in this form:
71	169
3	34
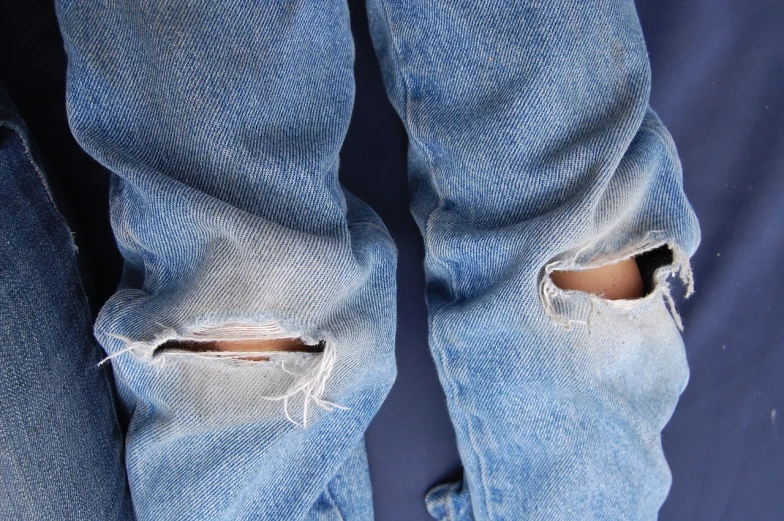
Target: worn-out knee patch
658	262
307	371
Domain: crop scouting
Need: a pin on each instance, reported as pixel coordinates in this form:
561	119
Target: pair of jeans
532	148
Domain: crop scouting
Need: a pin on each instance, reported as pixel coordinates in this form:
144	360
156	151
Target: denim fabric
60	442
532	149
222	123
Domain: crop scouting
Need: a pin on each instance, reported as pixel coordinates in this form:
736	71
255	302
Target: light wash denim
532	149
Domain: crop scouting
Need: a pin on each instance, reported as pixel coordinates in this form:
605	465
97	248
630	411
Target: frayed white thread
680	264
147	348
235	331
549	291
311	383
681	260
132	346
590	315
665	291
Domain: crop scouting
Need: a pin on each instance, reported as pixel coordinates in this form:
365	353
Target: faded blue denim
532	148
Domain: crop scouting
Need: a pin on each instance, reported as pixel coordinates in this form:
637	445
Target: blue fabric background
718	80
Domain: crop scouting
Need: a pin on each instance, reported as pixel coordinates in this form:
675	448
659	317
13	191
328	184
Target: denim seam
482	467
21	134
41	177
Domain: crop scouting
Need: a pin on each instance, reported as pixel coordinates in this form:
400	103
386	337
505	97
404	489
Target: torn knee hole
245	346
640	271
307	361
630	278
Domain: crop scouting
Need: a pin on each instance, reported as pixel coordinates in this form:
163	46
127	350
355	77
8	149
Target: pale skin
621	280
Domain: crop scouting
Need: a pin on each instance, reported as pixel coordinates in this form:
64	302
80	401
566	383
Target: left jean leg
221	124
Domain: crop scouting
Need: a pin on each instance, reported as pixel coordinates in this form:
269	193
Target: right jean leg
533	151
221	123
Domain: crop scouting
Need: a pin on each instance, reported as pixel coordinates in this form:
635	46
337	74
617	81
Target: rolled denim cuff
449	502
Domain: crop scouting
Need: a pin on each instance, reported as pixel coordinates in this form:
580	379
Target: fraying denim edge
310	376
548	291
311	382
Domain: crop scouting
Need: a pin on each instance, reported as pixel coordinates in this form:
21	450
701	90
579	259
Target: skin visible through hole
275	344
621	280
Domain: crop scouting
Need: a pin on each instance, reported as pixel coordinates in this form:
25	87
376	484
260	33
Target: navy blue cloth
718	76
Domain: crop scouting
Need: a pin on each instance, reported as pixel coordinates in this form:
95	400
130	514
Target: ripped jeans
532	149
